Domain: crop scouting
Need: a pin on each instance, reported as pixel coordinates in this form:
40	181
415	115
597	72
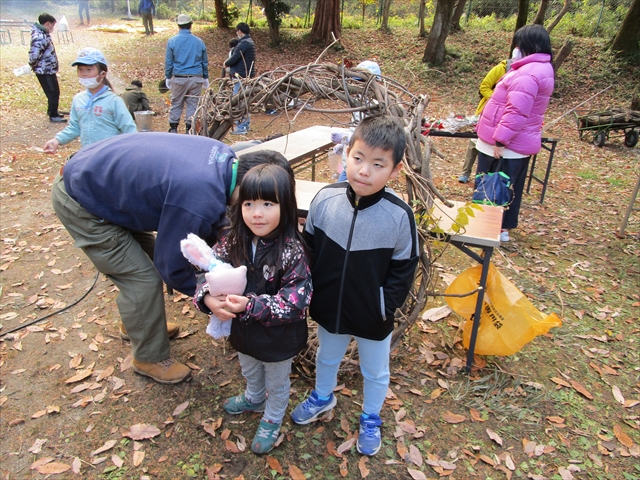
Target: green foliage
164	12
275	10
583	22
230	12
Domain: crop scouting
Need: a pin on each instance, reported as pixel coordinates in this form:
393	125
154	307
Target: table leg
627	214
548	172
488	251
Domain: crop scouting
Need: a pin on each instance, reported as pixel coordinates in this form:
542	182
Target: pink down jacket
513	115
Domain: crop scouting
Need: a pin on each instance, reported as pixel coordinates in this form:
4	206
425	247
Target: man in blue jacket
147	9
113	194
186	70
242	64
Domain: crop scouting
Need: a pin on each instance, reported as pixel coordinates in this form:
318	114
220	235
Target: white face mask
90	82
517	54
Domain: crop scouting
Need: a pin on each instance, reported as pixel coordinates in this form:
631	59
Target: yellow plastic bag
509	320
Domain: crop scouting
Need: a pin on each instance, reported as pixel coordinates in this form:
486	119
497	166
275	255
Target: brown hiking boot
166	371
172	330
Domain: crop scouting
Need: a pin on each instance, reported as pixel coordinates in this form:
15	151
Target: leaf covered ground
566	406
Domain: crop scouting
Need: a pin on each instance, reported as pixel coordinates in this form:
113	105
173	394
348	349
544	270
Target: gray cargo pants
124	256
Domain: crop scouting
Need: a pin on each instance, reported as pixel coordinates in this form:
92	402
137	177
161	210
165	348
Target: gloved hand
168	83
205	84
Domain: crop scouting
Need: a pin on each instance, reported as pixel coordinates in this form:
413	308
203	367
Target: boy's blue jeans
245	121
374	365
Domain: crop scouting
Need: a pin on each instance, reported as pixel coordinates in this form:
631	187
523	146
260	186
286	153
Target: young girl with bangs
269	322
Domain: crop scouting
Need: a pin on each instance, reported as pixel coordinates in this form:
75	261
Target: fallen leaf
138	457
53	467
37	445
344	467
453	418
494	436
295	473
274	464
107	446
581	390
41	461
141	431
508	461
117	461
362	466
415	456
180	408
106	373
416	474
346	445
75	466
437	313
617	394
487	460
231	446
565	474
81	375
561	382
622	437
476	416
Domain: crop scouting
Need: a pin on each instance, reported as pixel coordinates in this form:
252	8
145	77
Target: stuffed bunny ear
198	252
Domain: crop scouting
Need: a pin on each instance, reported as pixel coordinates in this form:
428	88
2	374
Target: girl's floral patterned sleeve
292	300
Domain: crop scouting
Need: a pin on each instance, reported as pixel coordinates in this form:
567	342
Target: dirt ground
566	406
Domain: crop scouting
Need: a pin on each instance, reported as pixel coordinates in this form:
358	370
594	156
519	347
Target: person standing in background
147	9
83	5
242	64
186	70
487	86
44	63
510	127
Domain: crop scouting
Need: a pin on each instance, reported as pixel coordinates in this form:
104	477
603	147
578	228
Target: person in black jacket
242	64
269	321
363	241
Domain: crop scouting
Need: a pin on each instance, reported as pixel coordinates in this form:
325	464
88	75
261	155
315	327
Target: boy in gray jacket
364	248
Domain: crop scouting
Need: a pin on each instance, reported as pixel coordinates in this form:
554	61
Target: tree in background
434	52
627	40
274	10
521	19
457	15
386	8
326	23
421	15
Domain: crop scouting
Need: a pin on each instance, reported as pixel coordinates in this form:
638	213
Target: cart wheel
599	138
631	138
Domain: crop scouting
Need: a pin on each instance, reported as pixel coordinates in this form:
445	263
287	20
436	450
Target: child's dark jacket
274	326
364	258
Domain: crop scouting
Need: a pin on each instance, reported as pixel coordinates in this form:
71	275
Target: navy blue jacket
243	58
171	184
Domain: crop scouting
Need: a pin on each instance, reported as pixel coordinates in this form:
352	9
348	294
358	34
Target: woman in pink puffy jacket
510	126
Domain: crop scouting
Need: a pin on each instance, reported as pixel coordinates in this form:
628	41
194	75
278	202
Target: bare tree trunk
386	8
565	9
627	38
434	52
457	15
326	22
221	19
542	11
521	20
272	21
562	54
421	14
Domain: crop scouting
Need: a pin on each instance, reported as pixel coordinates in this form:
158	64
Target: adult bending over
112	195
510	126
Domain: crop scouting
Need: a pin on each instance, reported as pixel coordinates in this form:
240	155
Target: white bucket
143	120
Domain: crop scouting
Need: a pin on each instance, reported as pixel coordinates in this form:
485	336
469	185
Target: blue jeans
374	365
245	121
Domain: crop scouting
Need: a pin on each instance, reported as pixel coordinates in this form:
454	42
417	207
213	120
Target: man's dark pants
51	89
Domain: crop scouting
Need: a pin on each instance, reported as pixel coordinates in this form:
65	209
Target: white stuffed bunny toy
223	279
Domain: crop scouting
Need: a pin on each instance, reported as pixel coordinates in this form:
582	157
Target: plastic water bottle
24	70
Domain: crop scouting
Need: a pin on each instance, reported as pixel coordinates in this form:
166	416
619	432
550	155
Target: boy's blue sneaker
463	178
265	437
240	131
369	440
239	404
312	408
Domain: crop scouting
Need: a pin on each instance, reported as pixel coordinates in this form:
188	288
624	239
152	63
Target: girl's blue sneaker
369	440
266	437
312	408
